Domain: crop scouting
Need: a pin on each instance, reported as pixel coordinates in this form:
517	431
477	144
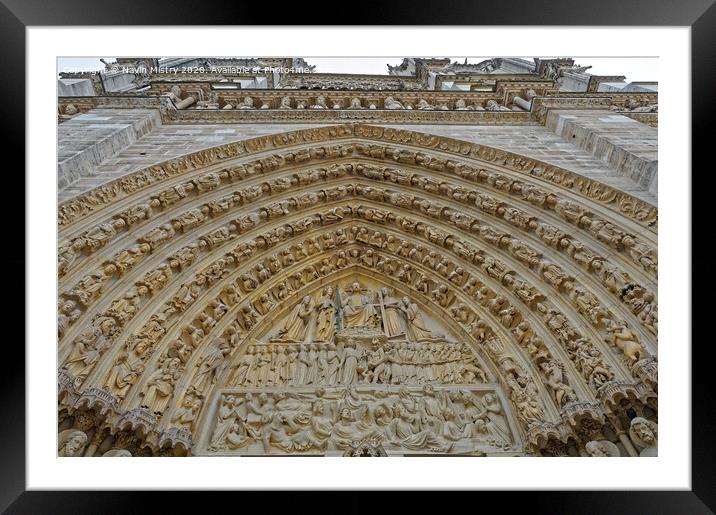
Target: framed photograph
314	245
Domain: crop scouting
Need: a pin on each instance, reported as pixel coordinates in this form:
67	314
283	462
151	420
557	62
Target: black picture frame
700	15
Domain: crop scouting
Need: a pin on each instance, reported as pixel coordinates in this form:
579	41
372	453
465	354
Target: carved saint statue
122	375
247	103
295	328
160	386
89	347
416	324
358	309
497	424
555	380
185	415
229	412
393	314
348	354
320	103
326	310
211	365
404	431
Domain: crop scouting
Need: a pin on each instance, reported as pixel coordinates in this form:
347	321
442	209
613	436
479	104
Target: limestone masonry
449	259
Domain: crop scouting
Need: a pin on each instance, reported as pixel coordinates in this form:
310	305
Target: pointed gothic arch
558	248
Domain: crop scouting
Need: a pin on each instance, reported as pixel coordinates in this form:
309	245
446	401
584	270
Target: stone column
524	104
624	439
94	444
622	435
183	104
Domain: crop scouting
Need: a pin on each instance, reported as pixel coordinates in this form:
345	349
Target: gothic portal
446	260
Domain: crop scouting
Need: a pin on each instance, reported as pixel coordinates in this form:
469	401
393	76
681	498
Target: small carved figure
326	313
357	308
285	103
391	103
160	385
416	325
492	105
246	103
355	103
320	103
625	340
644	433
601	449
295	326
71	443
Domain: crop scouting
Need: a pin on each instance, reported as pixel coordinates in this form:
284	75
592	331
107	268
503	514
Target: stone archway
549	277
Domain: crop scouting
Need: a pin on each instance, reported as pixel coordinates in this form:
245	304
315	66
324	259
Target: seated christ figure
358	309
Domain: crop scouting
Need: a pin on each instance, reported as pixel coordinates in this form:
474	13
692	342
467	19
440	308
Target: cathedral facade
448	259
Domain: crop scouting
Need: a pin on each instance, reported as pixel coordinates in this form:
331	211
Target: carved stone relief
460	290
329	421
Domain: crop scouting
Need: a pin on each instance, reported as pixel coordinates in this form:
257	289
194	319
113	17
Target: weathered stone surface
454	274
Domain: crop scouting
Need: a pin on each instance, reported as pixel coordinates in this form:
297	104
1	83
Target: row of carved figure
640	301
586	302
521	330
637	105
401	316
321	102
431	420
102	234
217	272
247	317
632	104
246	419
249	282
81	206
159	387
192	403
338	363
99	236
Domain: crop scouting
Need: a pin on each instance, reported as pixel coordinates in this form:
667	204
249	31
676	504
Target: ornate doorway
312	290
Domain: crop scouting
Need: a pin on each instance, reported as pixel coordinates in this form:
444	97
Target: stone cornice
170	114
650	119
541	106
349	81
596	80
617	102
443	106
344	115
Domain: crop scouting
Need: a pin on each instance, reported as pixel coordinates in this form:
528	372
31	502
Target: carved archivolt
175	286
77	208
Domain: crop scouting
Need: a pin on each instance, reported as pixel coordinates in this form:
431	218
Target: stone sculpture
71	443
325	420
643	433
357	309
